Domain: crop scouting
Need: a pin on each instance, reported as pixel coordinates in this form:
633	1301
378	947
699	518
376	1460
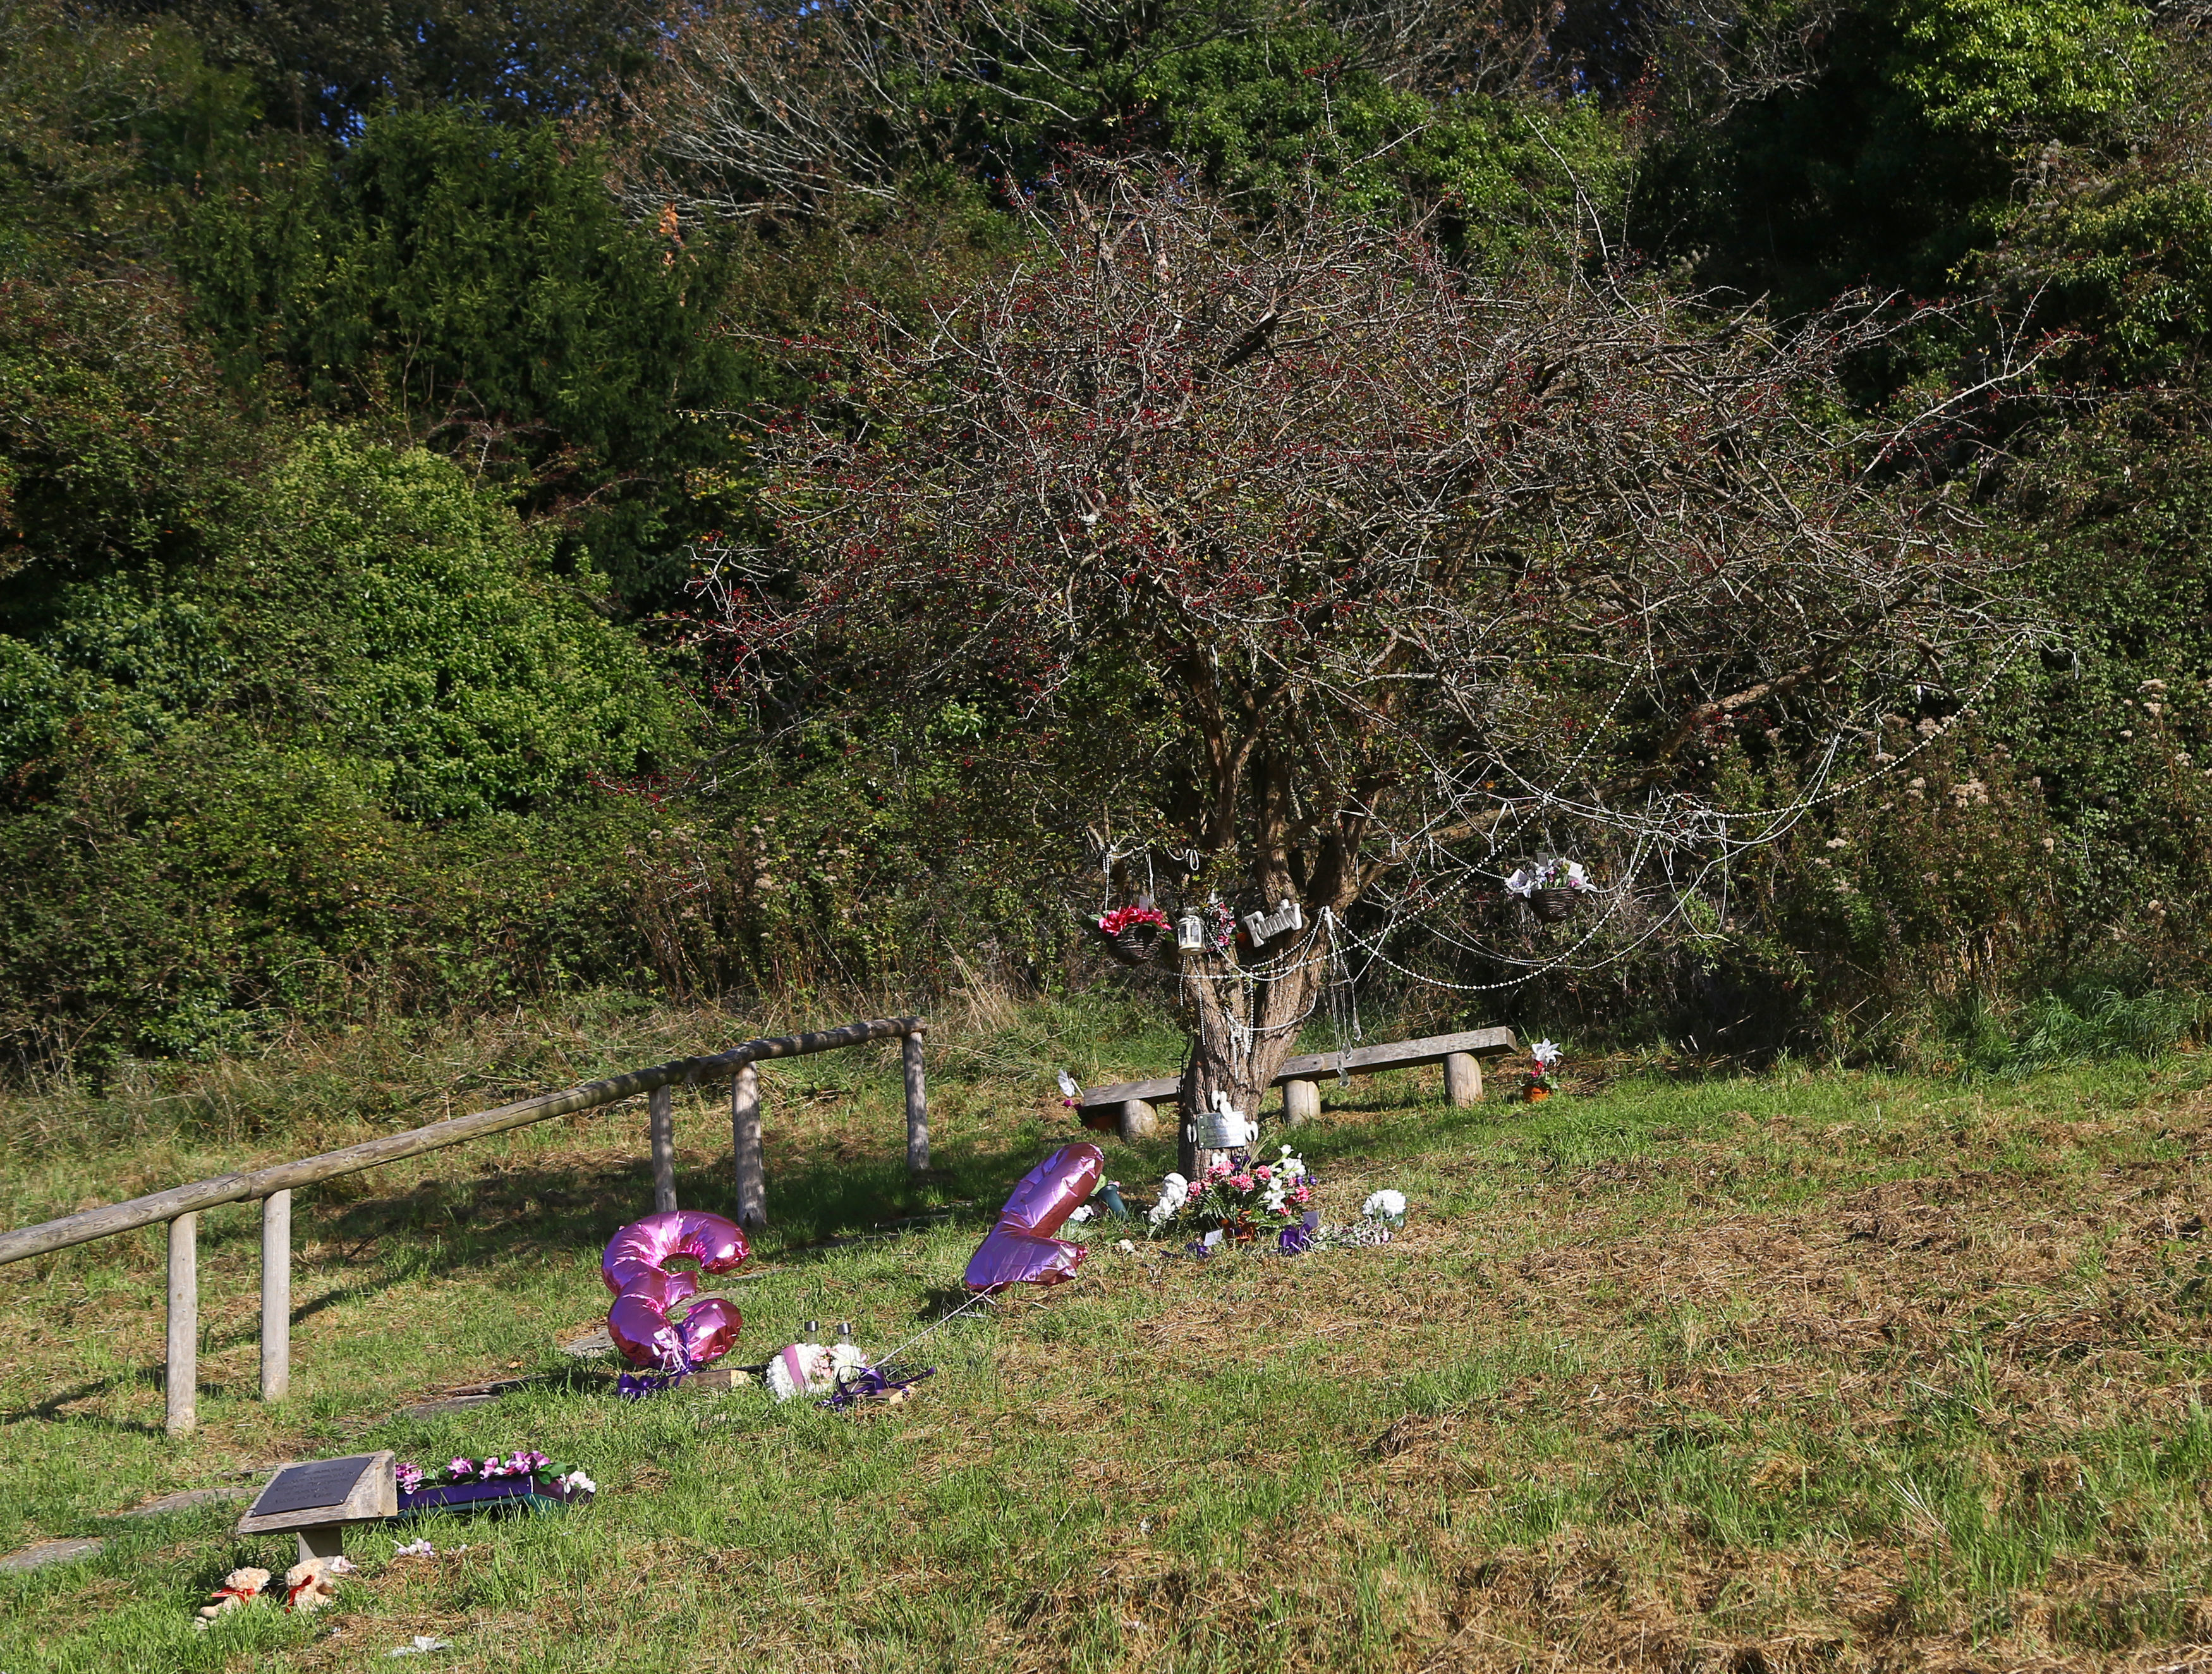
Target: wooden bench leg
1301	1103
1463	1078
1138	1121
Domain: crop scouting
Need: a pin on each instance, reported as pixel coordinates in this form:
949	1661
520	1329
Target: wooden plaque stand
317	1499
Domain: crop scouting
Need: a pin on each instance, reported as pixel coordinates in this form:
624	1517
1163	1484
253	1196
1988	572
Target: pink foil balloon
1021	1249
635	1268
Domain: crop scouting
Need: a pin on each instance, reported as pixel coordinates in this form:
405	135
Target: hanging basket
1551	905
1132	937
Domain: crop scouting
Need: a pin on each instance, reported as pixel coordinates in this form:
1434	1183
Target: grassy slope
1848	1371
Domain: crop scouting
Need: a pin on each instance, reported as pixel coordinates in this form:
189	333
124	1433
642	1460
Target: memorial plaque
300	1488
324	1492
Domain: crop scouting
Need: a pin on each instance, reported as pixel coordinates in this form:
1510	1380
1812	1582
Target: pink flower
1126	918
1241	1182
1263	1173
462	1468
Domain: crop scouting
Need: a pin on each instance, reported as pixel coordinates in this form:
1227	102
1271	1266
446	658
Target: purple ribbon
675	1366
869	1381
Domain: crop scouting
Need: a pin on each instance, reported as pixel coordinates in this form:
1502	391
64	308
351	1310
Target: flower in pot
1536	1083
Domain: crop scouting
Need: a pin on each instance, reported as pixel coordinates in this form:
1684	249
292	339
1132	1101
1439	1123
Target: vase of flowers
1133	934
1536	1080
1550	887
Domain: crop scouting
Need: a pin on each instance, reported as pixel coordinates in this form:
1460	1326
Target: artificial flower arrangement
840	1373
1133	934
1550	887
808	1368
528	1475
1143	915
1536	1083
1554	874
1236	1199
1386	1206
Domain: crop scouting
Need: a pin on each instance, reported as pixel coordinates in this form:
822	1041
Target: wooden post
745	1147
184	1352
662	1118
1301	1103
917	1108
1138	1121
275	1295
1463	1078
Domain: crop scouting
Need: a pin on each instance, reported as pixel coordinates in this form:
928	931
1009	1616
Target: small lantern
1190	934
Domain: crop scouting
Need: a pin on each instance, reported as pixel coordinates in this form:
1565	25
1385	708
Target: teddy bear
238	1587
313	1582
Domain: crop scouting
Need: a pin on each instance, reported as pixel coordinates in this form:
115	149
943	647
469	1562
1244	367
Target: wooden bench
1126	1107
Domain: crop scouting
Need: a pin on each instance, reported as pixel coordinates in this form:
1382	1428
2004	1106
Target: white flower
1546	1052
1384	1205
798	1367
577	1483
1126	1247
1081	1212
416	1549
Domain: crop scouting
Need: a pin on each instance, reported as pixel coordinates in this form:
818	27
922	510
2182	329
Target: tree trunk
1243	1026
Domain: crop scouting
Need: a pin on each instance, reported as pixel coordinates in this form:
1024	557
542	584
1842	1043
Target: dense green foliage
370	379
476	285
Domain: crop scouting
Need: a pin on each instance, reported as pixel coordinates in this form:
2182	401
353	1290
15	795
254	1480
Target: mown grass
1811	1370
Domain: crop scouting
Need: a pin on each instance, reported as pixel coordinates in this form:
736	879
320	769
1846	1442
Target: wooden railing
179	1206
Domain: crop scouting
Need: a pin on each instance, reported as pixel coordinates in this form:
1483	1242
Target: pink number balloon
635	1268
1021	1249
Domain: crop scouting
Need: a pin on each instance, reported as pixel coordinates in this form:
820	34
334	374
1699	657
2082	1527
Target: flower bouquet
1387	1207
1133	934
1550	887
1235	1201
1536	1083
528	1478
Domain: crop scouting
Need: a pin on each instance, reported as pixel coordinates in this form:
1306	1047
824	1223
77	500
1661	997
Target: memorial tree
1362	580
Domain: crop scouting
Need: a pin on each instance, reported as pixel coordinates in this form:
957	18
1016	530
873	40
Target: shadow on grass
819	1204
50	1410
